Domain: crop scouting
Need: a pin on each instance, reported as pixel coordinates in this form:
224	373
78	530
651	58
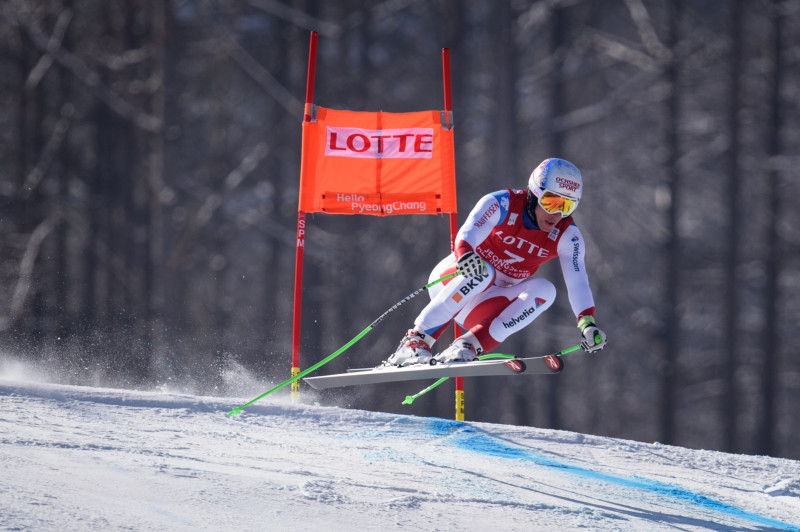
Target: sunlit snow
88	458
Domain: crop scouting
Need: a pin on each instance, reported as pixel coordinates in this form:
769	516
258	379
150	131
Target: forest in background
149	169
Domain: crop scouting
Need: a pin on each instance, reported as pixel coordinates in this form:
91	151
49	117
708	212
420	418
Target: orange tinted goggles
553	203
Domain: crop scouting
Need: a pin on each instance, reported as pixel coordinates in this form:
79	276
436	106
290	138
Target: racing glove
470	264
593	339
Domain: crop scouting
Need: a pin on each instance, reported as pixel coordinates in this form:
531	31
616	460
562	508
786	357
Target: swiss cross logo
407	143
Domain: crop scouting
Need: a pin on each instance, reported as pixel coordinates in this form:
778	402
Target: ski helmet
556	185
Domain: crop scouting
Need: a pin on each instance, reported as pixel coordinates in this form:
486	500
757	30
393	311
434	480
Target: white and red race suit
508	298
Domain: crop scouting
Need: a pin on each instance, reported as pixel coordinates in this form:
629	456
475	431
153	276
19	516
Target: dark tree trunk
765	436
730	395
558	43
673	247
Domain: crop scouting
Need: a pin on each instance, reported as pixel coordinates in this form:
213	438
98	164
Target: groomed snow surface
87	458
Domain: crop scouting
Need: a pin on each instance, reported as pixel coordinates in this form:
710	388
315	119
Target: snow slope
82	458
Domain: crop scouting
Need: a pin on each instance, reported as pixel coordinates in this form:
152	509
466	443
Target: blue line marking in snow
469	439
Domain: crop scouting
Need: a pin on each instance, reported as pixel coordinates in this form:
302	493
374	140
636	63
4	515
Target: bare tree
731	341
765	439
672	325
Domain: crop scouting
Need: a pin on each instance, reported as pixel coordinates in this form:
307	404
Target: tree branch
80	70
55	141
235	178
297	17
26	267
264	77
43	65
641	18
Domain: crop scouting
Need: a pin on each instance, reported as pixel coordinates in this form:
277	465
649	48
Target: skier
507	236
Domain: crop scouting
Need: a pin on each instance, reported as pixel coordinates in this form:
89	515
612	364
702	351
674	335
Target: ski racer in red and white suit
513	240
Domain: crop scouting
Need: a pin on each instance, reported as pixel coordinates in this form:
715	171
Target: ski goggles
553	203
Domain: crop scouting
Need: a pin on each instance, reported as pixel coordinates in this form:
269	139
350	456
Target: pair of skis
487	365
493	364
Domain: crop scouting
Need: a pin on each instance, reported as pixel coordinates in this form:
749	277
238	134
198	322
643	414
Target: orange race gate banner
377	163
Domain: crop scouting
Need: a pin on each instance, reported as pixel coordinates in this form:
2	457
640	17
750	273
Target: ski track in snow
80	458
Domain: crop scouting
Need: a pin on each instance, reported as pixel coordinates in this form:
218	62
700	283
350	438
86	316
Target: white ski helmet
556	185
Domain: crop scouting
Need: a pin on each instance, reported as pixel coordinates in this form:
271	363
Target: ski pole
344	348
410	398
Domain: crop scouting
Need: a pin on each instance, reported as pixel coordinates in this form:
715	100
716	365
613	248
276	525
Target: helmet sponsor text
567	184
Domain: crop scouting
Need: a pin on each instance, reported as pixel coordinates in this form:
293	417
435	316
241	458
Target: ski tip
408	400
235	411
555	363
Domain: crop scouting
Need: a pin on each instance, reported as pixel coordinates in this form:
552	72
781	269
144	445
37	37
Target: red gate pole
448	107
301	230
